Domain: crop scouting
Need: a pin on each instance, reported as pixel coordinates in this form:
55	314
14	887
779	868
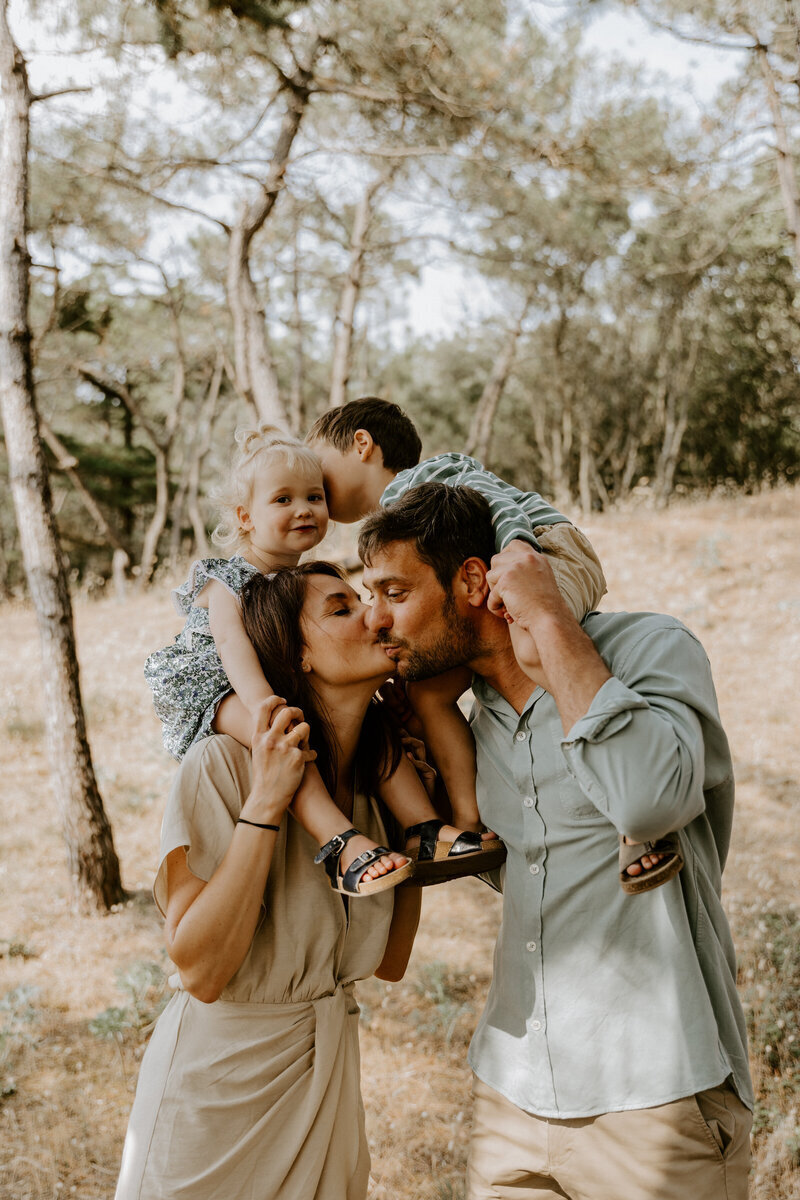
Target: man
610	1061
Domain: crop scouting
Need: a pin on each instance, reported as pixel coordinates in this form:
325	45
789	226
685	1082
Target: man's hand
548	642
524	593
523	587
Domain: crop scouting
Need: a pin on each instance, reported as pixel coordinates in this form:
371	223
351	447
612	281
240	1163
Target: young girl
210	681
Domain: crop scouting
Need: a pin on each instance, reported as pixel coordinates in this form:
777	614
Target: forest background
231	208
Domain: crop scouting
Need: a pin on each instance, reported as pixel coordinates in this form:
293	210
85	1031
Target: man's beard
459	645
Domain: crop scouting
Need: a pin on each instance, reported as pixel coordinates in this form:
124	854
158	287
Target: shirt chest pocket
559	790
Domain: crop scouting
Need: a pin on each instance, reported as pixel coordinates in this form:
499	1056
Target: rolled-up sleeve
638	753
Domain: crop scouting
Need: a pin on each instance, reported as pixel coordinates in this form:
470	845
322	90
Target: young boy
370	454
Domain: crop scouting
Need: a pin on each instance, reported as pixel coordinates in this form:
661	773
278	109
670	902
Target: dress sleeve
205	801
232	573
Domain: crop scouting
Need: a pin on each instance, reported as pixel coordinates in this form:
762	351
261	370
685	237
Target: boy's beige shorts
697	1148
575	565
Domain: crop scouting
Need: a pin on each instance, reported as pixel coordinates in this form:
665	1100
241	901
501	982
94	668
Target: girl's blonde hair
255	450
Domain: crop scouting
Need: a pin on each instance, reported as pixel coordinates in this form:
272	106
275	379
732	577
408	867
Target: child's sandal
437	860
668	868
350	882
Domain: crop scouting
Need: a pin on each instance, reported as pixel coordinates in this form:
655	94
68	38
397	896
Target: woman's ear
305	665
243	517
473	574
362	440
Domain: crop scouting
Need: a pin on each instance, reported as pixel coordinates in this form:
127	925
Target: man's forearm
573	670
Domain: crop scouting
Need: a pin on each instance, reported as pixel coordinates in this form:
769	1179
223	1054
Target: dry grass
730	568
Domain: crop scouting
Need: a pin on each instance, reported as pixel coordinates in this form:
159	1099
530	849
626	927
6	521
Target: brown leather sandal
668	868
436	860
352	882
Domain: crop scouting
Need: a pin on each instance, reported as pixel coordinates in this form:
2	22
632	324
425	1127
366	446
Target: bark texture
93	863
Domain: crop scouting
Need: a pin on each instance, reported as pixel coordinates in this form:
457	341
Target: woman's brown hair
271	609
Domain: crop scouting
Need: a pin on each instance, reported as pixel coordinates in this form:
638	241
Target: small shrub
23	727
769	979
14	949
144	983
17	1015
448	991
772	996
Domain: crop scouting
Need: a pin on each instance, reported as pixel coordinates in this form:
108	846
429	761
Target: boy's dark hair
446	524
272	606
386	423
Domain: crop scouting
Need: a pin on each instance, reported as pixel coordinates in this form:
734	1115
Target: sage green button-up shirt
602	1001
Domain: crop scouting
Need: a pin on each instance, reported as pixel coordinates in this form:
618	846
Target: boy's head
362	445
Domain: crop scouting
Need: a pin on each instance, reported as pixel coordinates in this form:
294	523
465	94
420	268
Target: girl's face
339	648
287	513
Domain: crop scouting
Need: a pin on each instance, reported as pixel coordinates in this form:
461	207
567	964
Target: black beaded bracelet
258	825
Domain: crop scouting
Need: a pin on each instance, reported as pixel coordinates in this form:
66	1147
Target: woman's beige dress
257	1096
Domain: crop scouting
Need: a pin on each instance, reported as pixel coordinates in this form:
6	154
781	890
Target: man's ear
472	574
244	518
362	440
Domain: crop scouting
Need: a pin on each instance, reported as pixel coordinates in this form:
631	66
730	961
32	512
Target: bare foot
385	864
645	863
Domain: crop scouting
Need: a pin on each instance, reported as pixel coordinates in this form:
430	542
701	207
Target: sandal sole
441	870
635	885
391	879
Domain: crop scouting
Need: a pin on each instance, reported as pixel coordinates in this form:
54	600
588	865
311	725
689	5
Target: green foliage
620	224
17	1015
264	14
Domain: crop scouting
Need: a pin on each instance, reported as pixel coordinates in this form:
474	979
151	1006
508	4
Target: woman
249	1089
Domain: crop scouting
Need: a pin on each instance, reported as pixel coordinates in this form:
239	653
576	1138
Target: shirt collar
491	699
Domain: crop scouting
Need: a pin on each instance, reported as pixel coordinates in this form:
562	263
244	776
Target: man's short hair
446	524
386	423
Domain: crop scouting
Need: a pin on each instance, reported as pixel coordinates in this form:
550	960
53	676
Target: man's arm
548	642
634	741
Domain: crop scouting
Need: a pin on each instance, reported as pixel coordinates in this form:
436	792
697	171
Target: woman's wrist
264	809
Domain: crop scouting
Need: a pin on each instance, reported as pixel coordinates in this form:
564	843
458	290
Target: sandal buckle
335	846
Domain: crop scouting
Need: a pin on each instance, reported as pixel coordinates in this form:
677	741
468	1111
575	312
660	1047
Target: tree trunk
480	433
585	464
676	415
255	372
93	862
787	174
342	364
158	520
68	463
200	448
297	413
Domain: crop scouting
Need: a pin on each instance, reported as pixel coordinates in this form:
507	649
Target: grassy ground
77	994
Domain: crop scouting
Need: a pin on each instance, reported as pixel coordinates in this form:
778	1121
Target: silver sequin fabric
187	678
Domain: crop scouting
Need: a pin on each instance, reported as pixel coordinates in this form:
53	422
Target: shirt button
528	801
534	868
520	735
531	946
537	1025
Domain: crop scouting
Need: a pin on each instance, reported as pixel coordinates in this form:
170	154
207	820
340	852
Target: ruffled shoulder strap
233	573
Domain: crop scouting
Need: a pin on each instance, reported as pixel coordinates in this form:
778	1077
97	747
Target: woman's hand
280	752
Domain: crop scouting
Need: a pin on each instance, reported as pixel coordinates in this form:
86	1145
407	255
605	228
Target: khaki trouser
697	1148
575	565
